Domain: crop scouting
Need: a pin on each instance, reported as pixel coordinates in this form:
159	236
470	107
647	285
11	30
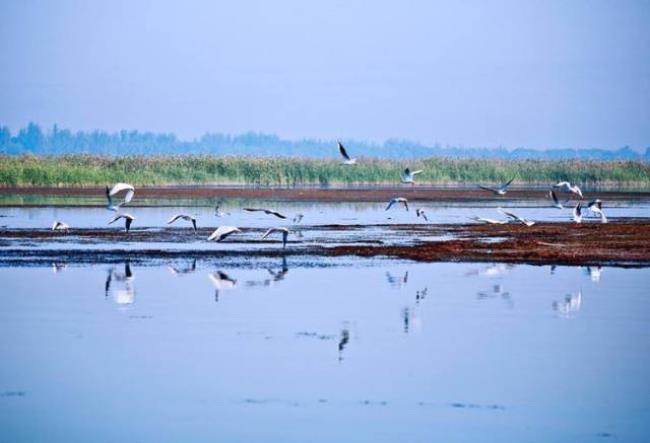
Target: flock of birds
407	177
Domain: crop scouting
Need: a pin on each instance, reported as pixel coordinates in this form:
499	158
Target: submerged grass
84	170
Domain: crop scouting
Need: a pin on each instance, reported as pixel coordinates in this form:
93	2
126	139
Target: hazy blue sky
538	74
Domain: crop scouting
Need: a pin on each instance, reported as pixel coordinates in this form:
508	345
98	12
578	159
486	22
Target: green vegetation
83	170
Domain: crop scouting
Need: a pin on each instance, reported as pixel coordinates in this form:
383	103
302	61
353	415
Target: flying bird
517	218
577	213
266	211
222	232
119	187
401	200
346	158
569	187
556	202
501	190
128	219
284	231
408	176
185	217
60	226
298	218
420	213
596	207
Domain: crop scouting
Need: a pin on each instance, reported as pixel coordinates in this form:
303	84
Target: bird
577	213
221	282
594	273
570	188
346	158
284	231
222	232
569	305
279	275
119	187
298	218
266	211
128	219
420	213
515	217
60	226
218	212
556	202
489	221
596	207
185	217
501	190
182	270
401	200
408	176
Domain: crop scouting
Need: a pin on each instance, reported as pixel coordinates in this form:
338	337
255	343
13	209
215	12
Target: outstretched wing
119	187
416	172
343	152
506	184
406	204
253	209
554	197
174	218
390	204
116	218
277	214
486	188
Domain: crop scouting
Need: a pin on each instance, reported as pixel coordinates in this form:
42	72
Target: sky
535	74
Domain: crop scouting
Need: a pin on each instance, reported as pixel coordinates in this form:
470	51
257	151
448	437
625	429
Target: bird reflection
570	304
492	271
397	282
497	291
125	294
345	338
594	273
405	319
182	270
221	282
58	267
420	295
280	274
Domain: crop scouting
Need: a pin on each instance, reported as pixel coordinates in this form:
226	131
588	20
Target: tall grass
83	170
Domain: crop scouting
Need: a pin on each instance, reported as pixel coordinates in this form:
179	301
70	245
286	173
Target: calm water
323	350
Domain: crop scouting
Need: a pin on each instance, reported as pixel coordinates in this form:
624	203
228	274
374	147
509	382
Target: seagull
221	282
266	211
420	213
489	221
347	160
185	217
570	188
402	200
577	213
284	231
556	202
515	217
128	219
501	190
596	207
60	226
119	187
298	218
222	232
408	176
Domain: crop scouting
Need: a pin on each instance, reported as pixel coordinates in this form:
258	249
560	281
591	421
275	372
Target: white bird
119	187
515	217
596	207
284	231
594	273
570	188
60	226
577	213
128	219
420	213
266	211
501	190
556	202
222	232
401	200
489	221
346	158
185	217
408	176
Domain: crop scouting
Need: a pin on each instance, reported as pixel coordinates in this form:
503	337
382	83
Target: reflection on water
594	273
307	358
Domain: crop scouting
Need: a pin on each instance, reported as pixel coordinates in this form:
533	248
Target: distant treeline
82	170
55	141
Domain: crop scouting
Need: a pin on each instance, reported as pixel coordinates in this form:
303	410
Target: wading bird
60	226
577	213
119	187
284	231
408	176
569	187
596	207
266	211
222	232
401	200
501	190
185	217
346	158
128	219
516	218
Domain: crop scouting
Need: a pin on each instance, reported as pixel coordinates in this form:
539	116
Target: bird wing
174	218
277	214
253	209
116	218
554	197
416	172
269	232
129	196
119	187
486	188
390	203
506	184
343	152
562	184
222	232
406	204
